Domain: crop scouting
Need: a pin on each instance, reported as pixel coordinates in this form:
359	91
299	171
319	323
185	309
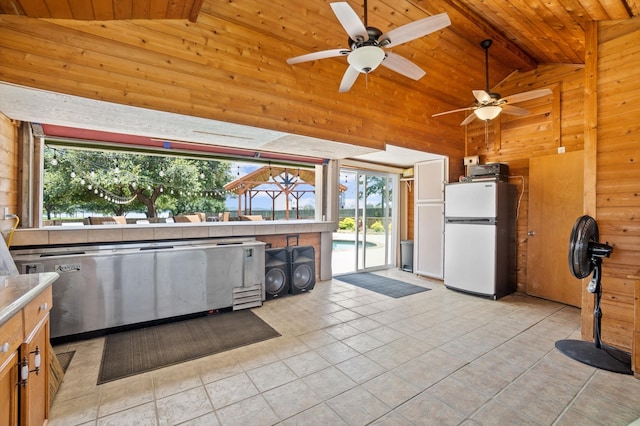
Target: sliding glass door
367	219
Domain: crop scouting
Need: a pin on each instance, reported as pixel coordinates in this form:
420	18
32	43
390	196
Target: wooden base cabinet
34	393
9	391
24	365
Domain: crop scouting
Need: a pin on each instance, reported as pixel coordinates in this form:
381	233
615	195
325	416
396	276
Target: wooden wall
8	170
219	70
561	122
553	122
618	174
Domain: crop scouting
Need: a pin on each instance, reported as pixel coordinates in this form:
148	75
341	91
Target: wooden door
555	202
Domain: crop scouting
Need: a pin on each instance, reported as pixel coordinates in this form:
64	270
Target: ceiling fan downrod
486	44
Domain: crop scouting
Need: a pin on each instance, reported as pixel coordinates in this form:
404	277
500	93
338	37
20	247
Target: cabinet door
9	391
430	178
34	396
429	244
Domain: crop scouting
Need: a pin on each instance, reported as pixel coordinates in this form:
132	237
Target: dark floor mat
64	359
383	285
137	351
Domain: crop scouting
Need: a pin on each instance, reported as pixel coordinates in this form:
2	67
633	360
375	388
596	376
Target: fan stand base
605	357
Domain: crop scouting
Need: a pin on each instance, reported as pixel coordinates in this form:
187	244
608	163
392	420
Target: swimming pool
337	245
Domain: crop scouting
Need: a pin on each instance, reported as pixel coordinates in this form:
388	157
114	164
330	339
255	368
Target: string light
92	186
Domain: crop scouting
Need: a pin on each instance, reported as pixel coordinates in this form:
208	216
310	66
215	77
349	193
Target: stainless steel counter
106	286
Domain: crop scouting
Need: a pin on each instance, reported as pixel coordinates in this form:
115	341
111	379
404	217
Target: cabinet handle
44	306
5	347
36	360
24	371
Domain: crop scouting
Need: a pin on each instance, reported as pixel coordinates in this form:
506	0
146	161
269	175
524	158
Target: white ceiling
39	106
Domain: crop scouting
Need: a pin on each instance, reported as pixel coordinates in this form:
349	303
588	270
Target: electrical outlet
471	160
561	150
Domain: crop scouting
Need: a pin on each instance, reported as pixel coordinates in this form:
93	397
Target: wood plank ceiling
246	43
103	10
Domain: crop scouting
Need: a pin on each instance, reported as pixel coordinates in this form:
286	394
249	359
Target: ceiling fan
366	43
488	105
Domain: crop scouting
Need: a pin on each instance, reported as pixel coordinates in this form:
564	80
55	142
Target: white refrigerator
480	238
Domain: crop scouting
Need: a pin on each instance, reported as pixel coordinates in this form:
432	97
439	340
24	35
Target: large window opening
100	186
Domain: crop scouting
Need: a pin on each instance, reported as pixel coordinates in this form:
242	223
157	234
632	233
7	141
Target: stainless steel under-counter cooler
107	286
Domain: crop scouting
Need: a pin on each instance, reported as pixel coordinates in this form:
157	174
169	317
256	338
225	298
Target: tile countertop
52	235
18	290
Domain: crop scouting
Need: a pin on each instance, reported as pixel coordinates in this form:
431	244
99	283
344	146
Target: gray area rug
136	351
383	285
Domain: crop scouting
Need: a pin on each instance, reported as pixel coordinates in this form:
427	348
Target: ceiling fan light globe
488	112
366	58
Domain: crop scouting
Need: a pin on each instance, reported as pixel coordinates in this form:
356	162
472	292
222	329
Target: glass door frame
390	205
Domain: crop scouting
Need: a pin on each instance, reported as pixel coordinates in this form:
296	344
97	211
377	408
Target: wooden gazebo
274	181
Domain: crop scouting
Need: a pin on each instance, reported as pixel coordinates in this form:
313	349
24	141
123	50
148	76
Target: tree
115	182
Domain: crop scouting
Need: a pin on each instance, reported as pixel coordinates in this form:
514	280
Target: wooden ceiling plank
462	8
552	17
531	26
295	29
81	9
35	8
123	9
103	9
175	9
59	9
196	6
141	9
158	9
11	7
593	10
617	9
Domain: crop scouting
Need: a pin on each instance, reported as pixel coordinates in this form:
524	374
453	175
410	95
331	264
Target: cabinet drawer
11	336
37	309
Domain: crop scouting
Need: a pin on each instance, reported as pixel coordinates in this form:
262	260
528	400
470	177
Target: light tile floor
348	356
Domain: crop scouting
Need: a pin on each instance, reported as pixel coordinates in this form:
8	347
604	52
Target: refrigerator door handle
472	221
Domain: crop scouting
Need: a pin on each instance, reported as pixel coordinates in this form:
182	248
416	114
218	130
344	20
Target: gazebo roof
277	178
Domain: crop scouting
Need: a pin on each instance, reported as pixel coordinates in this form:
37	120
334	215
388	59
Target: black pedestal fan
585	257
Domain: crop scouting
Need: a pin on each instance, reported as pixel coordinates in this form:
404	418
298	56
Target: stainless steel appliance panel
101	288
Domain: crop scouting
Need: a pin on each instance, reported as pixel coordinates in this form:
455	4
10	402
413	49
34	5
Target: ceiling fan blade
318	55
525	96
350	21
469	119
482	96
453	110
415	29
403	66
513	110
349	77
